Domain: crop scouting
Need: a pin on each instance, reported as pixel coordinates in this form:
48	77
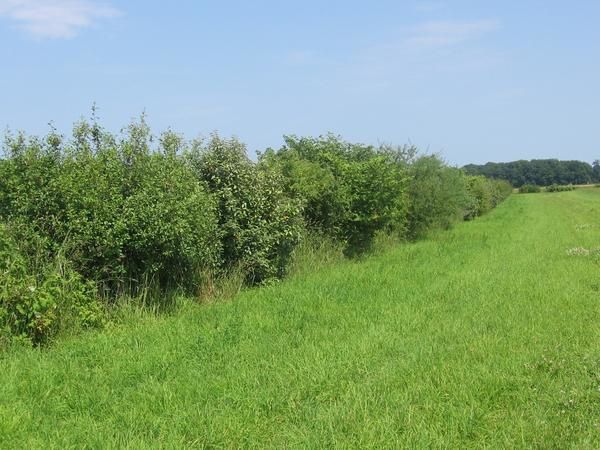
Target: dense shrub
437	195
97	216
501	189
37	303
324	200
479	196
347	191
171	219
559	188
91	215
529	189
123	214
260	224
29	192
484	194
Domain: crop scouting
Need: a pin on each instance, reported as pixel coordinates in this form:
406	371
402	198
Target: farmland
487	334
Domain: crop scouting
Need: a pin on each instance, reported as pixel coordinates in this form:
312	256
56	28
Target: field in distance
484	335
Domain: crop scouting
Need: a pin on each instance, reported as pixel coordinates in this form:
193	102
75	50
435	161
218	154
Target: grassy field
487	335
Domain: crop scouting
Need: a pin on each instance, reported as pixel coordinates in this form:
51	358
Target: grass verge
487	335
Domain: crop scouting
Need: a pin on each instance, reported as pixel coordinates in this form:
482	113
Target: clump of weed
585	226
582	251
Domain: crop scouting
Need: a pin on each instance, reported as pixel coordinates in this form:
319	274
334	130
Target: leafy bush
437	195
324	200
171	219
29	192
260	224
559	188
529	189
36	305
123	213
479	196
501	189
484	194
98	215
347	191
91	220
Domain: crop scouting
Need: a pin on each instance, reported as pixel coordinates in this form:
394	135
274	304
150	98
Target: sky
473	80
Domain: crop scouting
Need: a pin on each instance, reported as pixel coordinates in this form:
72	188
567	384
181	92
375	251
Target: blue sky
473	80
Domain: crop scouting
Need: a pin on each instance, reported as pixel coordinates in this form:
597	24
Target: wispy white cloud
430	50
445	33
55	18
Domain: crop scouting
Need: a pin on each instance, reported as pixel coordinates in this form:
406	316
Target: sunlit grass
487	335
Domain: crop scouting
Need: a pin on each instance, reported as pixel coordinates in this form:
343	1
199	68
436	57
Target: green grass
487	335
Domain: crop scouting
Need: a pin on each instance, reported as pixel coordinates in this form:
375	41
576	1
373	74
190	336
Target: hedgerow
559	188
529	189
121	212
532	188
484	194
96	216
437	195
259	224
347	191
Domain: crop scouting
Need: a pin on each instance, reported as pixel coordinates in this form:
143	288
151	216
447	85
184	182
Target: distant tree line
540	172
